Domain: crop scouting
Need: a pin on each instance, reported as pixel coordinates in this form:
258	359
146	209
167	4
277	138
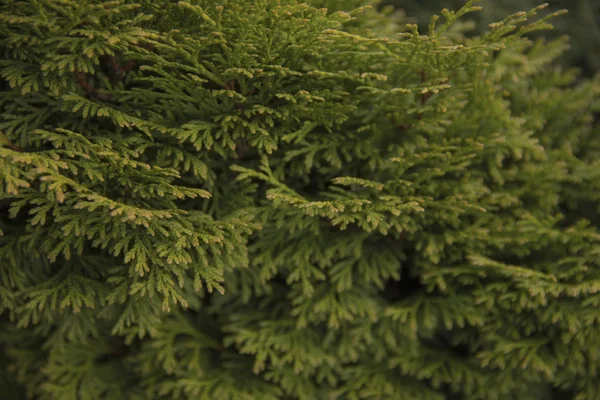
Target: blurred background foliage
582	23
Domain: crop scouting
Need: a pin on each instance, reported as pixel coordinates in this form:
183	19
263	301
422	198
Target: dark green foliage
582	23
263	199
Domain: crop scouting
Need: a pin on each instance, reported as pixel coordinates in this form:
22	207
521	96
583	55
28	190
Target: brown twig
424	96
13	147
5	142
229	85
90	90
117	71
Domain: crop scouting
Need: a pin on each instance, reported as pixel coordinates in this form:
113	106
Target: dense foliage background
582	24
264	200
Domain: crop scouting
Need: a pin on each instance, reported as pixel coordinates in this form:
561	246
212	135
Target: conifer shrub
582	23
264	199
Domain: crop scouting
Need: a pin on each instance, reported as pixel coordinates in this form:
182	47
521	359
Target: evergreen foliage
264	199
582	23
